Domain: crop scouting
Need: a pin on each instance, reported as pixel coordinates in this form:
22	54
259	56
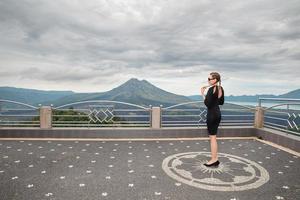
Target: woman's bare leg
213	149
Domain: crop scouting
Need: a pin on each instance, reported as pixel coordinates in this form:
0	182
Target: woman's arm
221	99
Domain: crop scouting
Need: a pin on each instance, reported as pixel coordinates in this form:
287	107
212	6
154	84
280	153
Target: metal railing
17	114
283	114
194	114
101	113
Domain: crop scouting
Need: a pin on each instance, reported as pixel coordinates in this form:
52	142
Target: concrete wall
278	137
238	131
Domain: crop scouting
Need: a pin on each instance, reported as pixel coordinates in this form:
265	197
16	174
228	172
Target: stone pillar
156	117
45	117
259	117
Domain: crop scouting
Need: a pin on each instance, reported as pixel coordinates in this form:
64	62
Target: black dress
213	116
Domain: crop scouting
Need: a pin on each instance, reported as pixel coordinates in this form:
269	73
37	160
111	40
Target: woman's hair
217	76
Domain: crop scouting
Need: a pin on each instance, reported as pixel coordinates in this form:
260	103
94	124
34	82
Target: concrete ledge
284	139
278	137
238	131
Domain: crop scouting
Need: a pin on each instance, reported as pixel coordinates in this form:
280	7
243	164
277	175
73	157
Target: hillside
31	96
140	92
132	91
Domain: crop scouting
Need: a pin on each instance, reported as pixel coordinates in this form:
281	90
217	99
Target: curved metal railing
101	113
17	114
195	115
284	116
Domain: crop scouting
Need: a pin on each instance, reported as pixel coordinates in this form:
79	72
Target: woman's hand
202	90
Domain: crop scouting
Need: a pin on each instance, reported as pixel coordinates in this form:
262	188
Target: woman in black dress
213	97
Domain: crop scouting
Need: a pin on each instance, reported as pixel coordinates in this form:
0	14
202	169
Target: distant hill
295	94
133	91
31	96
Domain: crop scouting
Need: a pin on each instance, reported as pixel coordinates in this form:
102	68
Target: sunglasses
211	78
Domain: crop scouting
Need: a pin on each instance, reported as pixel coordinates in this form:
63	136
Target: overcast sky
96	45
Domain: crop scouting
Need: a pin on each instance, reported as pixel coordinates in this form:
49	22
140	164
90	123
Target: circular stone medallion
233	173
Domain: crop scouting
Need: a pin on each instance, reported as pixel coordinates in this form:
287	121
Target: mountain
132	91
31	96
295	94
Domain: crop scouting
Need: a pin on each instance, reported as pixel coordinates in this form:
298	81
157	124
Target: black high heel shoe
212	164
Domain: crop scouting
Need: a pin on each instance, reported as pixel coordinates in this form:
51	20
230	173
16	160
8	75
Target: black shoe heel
212	164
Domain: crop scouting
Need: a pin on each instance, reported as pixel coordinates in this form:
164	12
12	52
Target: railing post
259	117
45	117
156	117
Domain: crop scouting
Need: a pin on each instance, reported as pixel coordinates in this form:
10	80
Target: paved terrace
146	169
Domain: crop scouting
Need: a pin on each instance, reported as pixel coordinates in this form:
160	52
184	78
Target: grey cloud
104	37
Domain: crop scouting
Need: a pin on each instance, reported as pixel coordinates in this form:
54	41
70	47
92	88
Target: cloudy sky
96	45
